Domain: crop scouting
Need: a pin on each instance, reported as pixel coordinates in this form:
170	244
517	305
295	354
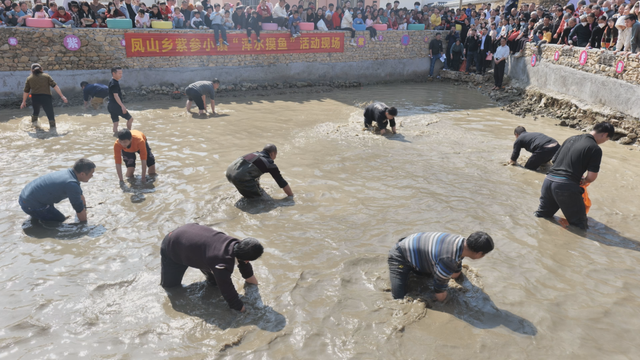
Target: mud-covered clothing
207	249
435	253
577	155
245	172
52	188
138	144
378	112
39	84
539	145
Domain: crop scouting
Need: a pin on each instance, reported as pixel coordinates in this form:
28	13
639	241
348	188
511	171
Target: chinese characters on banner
166	44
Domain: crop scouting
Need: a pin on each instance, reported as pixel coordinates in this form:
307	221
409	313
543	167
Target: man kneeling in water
245	172
382	115
434	253
214	253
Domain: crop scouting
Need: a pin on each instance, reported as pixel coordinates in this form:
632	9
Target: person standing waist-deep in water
542	147
198	91
116	106
434	253
245	172
382	115
94	94
214	253
40	195
561	188
128	144
39	84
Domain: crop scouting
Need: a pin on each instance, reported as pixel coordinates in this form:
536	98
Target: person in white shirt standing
280	15
500	59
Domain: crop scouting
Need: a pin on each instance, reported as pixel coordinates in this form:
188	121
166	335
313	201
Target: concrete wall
592	88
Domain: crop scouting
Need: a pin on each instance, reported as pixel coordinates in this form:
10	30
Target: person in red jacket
336	18
62	18
265	12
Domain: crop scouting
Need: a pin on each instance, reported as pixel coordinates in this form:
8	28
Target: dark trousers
399	271
249	188
472	57
373	32
498	74
217	29
257	31
456	61
282	22
566	196
353	32
47	213
480	61
540	157
45	102
172	272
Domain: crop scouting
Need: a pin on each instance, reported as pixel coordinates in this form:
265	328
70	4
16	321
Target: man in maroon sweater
214	253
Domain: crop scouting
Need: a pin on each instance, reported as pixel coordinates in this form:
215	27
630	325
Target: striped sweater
435	253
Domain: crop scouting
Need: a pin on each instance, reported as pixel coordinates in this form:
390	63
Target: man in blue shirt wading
39	196
434	253
95	93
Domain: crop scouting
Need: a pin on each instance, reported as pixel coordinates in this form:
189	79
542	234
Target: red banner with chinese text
167	44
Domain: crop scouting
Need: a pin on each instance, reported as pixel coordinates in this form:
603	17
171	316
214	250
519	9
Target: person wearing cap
94	94
245	172
198	91
38	86
39	197
382	115
214	253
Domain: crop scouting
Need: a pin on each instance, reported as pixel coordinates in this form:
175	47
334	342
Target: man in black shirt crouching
562	186
542	147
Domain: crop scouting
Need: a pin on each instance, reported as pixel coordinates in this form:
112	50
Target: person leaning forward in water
563	186
94	94
382	115
198	91
245	172
128	144
542	147
39	196
434	253
214	253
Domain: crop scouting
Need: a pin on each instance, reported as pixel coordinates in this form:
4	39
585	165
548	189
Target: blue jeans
217	29
47	213
399	271
58	22
433	64
178	23
295	29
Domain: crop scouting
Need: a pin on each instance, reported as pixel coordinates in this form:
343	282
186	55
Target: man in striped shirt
434	253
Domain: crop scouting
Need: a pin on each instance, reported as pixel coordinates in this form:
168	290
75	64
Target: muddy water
93	292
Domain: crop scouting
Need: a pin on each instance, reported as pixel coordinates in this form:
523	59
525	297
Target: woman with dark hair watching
113	12
610	35
238	18
310	16
38	84
155	14
86	15
319	16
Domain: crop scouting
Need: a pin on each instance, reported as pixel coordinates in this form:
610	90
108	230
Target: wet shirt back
435	253
531	142
210	250
51	189
577	155
114	88
204	88
95	90
39	84
263	161
138	144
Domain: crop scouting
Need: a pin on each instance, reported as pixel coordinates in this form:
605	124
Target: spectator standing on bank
456	55
471	49
500	59
38	85
436	52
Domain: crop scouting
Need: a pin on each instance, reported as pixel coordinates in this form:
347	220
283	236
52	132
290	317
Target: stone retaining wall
101	49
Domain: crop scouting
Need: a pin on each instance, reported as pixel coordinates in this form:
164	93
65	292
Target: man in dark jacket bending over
542	147
382	115
214	253
245	172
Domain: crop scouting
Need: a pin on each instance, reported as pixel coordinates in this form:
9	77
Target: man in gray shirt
198	91
39	196
634	25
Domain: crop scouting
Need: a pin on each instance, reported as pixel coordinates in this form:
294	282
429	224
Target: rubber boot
52	124
34	120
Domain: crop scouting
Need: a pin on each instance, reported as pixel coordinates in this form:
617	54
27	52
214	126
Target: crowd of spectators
471	32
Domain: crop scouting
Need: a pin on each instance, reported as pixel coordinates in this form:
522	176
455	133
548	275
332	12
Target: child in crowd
62	18
165	11
178	18
254	24
358	21
294	24
39	13
207	16
197	22
142	20
53	8
228	23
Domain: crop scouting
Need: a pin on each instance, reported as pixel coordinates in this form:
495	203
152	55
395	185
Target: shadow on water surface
263	205
471	304
599	232
43	134
137	188
205	302
61	231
